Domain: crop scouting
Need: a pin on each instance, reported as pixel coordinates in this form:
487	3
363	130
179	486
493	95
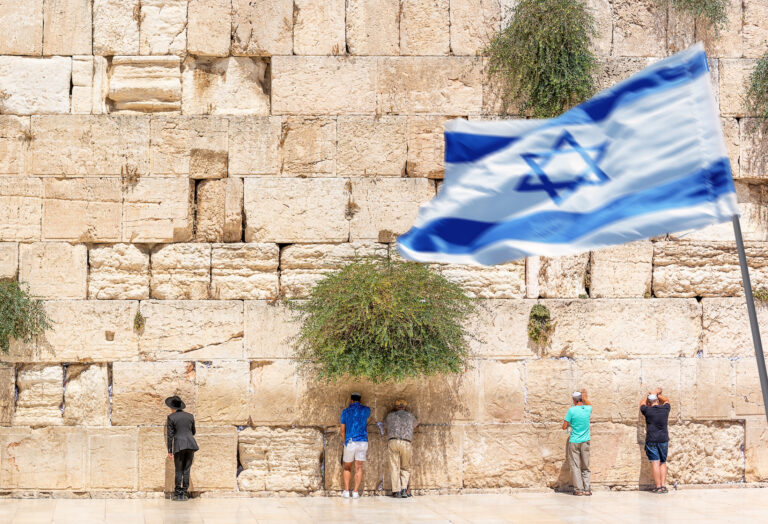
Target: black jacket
180	428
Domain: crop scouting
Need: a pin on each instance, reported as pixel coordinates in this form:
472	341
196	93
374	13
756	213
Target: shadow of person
563	482
645	477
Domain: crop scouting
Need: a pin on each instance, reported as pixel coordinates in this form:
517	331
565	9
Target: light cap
576	394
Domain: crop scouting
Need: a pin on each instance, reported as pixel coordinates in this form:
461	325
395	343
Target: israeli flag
641	159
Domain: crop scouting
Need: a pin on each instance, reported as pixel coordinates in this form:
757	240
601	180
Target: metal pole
752	313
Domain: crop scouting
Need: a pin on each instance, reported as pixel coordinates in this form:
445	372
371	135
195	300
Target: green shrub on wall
543	61
757	97
540	325
383	320
714	11
21	316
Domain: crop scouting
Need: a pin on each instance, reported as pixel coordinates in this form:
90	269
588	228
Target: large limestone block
503	390
7	393
613	387
500	329
639	28
156	470
244	271
262	27
139	390
113	458
116	27
725	42
755	449
621	460
706	453
44	458
219	210
681	28
612	70
9	260
454	85
13	144
90	145
707	390
145	83
602	10
192	330
559	277
158	210
426	146
222	392
726	327
40	395
309	146
225	86
319	27
599	327
473	24
280	459
86	395
734	75
21	208
324	85
549	385
254	145
621	271
22	24
384	208
287	210
705	269
181	271
209	27
425	27
195	146
274	394
163	27
664	373
752	154
90	331
269	330
215	465
372	146
35	85
747	395
500	281
755	30
54	269
118	271
373	27
82	209
67	27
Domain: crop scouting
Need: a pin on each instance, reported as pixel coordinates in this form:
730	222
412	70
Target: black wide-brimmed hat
175	402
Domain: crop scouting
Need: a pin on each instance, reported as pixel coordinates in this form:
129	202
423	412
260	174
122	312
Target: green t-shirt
578	418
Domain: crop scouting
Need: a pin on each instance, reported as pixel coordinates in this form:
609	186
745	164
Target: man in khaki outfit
400	425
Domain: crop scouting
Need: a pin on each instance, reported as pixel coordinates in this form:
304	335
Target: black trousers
182	460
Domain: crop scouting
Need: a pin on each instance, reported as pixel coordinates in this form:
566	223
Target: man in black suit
180	430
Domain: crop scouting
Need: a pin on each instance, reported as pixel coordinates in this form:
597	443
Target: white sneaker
355	495
345	494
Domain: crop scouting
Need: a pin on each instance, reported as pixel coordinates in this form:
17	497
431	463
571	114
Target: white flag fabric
641	159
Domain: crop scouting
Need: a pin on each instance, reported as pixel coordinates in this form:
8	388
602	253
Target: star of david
583	168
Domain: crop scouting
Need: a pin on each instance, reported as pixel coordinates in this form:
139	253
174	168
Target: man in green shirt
578	443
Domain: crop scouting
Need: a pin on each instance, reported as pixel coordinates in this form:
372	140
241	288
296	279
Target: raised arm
584	398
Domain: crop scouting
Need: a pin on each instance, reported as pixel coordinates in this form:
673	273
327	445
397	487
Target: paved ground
730	505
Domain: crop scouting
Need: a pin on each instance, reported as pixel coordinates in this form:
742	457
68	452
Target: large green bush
383	320
21	316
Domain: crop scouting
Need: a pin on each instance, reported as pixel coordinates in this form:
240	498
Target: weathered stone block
196	146
726	327
319	27
13	145
254	145
560	277
219	210
116	27
209	27
262	27
473	24
612	70
118	271
755	28
426	146
384	208
622	460
752	151
86	395
181	271
216	462
89	145
222	392
22	23
82	209
244	271
9	260
747	395
706	389
549	385
113	458
7	393
639	28
274	393
139	390
425	27
323	85
371	146
35	85
499	326
40	395
309	146
279	459
156	470
286	210
45	458
613	388
727	41
755	449
145	83
67	27
454	86
500	281
54	269
21	208
681	27
602	10
163	27
225	86
158	210
373	27
621	271
734	73
664	373
192	330
706	453
90	331
706	269
503	389
269	330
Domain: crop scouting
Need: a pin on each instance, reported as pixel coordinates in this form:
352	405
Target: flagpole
752	313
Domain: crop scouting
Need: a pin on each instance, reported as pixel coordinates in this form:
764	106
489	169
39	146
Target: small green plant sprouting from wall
714	11
383	320
139	322
757	97
21	316
543	60
540	325
760	295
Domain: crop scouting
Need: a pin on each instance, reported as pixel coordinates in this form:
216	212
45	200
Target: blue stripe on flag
467	147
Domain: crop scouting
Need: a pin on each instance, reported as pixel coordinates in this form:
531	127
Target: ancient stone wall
196	160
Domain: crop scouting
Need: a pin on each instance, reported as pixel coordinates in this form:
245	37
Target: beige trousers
400	453
578	460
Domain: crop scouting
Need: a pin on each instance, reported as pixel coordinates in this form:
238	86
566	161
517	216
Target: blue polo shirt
355	418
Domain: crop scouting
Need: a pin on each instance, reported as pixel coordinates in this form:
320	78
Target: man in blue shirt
354	433
578	418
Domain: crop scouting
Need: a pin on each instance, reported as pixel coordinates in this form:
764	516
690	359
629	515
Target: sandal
578	493
588	493
662	489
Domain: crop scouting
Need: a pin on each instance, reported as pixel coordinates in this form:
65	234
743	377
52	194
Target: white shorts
355	451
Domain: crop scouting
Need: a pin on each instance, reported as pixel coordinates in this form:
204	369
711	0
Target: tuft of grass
22	317
760	295
756	99
540	325
715	12
139	321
